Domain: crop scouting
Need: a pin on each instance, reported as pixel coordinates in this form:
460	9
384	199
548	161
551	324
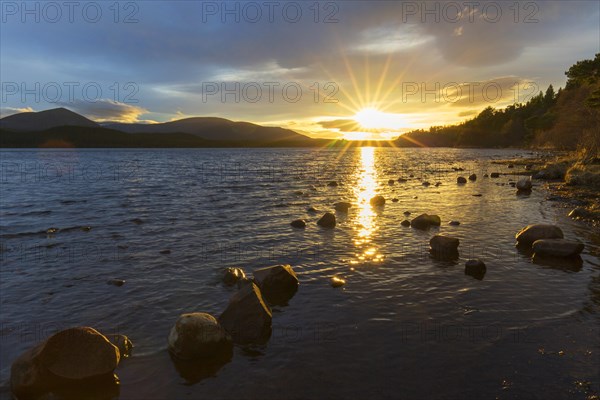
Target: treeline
566	119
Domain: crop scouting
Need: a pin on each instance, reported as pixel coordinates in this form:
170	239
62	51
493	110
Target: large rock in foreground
425	221
277	284
79	353
531	233
78	359
247	317
444	247
197	335
557	248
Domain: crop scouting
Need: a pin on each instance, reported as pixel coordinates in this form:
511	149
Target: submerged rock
298	223
426	183
473	177
454	223
115	282
327	220
377	201
390	182
277	284
495	175
557	248
444	247
475	268
332	184
461	180
231	275
197	335
337	282
247	317
405	223
342	206
425	221
312	210
531	233
394	200
166	251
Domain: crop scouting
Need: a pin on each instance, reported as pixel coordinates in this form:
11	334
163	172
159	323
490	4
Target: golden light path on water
365	225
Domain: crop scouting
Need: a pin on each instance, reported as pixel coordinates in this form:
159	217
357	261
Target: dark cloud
106	110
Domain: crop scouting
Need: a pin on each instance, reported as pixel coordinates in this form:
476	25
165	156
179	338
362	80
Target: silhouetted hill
99	137
214	129
42	120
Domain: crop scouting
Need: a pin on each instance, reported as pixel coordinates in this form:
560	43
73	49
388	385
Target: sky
351	69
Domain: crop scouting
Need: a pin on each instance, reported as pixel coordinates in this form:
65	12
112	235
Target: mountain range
207	128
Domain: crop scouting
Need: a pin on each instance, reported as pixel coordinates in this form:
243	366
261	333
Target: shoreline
571	178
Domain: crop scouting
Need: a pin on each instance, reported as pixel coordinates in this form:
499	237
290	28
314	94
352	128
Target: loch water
404	326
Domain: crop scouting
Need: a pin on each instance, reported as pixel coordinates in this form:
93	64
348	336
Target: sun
372	118
368	118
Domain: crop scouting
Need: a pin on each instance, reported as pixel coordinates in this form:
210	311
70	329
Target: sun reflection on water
366	189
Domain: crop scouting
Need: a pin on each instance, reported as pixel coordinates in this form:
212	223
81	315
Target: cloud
6	111
468	113
491	92
105	110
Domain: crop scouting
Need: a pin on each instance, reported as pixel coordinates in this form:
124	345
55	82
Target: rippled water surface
404	326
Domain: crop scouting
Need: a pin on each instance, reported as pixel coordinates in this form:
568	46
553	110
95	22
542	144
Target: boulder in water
327	220
454	223
79	353
298	223
277	284
342	206
460	180
531	233
405	223
524	184
444	247
197	335
475	268
377	201
473	177
247	317
495	175
332	184
557	248
425	221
